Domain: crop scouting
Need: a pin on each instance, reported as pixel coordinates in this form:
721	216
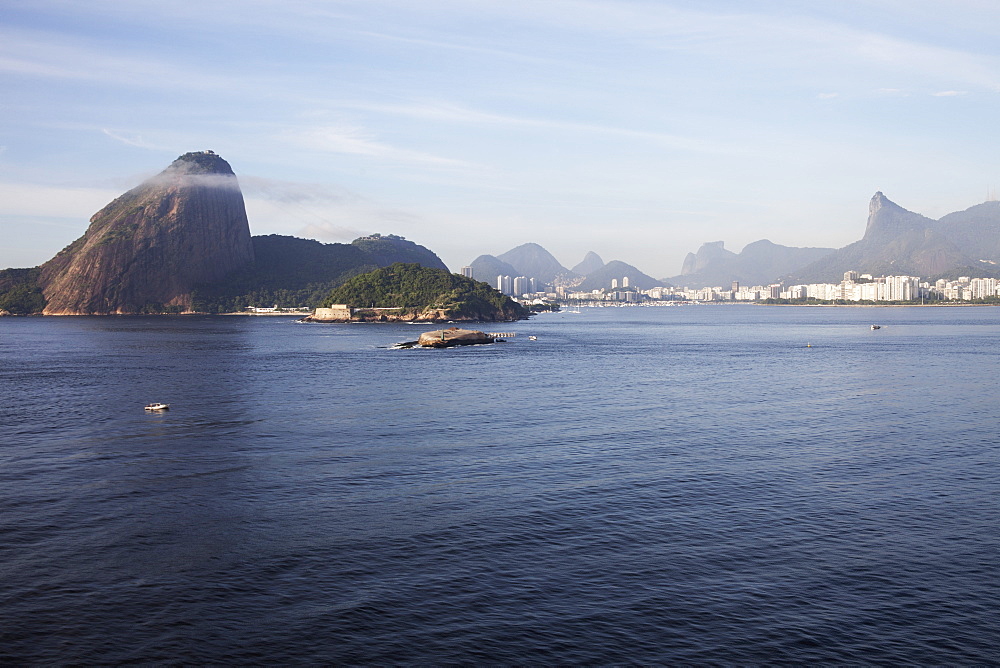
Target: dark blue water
672	485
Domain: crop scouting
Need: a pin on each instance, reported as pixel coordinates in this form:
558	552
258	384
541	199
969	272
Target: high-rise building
902	288
467	272
522	286
505	285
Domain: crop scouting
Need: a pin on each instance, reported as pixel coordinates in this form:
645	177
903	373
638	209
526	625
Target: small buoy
809	345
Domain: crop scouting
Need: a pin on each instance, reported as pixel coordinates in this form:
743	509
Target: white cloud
29	53
950	93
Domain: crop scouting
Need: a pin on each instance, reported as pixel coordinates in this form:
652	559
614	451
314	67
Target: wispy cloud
289	192
61	56
358	141
132	139
453	113
950	93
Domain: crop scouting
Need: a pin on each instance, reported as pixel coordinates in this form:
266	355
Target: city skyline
639	130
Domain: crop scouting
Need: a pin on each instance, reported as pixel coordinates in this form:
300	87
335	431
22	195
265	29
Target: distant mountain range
758	263
180	241
898	241
531	260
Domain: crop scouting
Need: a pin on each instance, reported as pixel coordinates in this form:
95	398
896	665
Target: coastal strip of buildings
855	287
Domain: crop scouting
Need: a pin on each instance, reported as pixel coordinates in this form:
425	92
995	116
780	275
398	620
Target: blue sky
637	129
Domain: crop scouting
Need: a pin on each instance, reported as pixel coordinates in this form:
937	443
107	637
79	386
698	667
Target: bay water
691	484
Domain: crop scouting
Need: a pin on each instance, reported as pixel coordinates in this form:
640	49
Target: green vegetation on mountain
291	272
414	288
392	248
20	293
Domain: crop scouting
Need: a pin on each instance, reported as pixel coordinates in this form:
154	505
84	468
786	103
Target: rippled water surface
692	484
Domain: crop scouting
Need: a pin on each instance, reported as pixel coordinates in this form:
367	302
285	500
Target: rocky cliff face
149	247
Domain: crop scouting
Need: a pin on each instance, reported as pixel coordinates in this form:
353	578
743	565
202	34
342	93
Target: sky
637	129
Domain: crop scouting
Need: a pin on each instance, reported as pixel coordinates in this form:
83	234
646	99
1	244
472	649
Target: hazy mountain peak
710	253
591	262
760	262
532	260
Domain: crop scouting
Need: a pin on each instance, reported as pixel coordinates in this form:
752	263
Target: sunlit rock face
148	248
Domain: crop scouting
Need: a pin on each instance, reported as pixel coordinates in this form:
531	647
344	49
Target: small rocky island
413	293
453	336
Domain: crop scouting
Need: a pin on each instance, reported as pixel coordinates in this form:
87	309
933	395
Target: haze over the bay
635	129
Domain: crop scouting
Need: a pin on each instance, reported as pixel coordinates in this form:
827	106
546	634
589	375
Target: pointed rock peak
591	262
887	217
879	201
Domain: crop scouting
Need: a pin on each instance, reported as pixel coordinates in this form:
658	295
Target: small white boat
157	407
532	338
876	326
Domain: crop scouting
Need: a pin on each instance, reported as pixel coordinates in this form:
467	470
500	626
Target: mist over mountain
152	245
759	263
591	262
180	241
